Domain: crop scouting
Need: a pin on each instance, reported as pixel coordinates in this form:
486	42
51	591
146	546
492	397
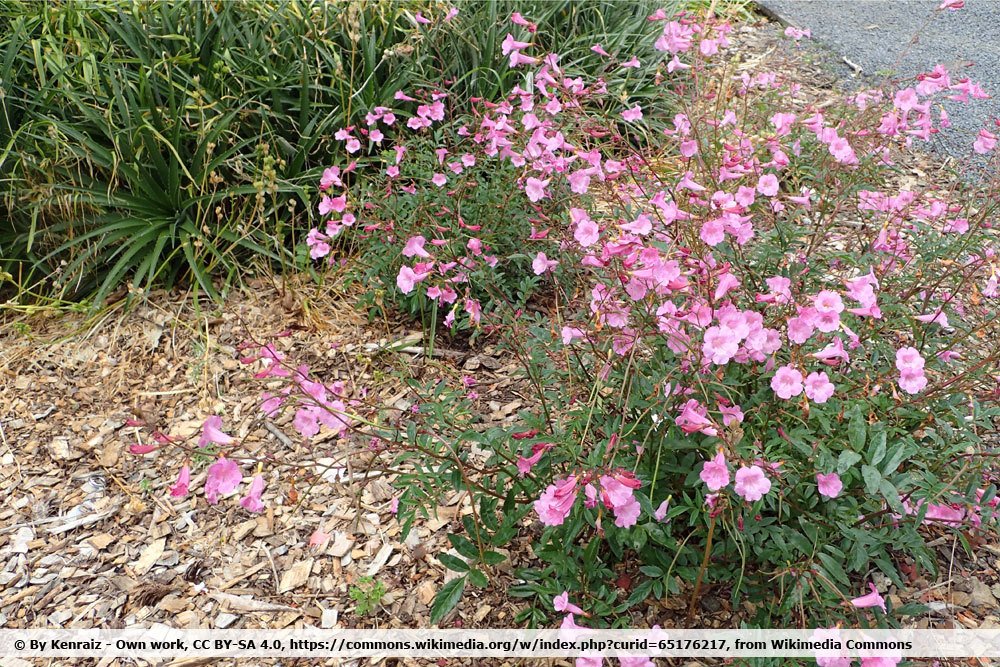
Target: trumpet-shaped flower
751	483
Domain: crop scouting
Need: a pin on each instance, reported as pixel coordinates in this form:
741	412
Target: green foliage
164	143
160	142
367	594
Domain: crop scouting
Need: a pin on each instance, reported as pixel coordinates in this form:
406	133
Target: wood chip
295	576
380	560
247	603
149	556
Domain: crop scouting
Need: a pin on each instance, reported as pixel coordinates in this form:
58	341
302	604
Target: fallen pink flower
224	477
180	487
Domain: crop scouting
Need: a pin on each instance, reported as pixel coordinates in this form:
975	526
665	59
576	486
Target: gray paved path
877	35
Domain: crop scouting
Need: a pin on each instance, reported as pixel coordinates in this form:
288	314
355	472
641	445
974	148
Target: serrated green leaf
447	598
453	563
477	578
463	546
493	557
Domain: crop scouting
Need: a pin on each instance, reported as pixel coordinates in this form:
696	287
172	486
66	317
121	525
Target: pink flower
211	433
331	177
800	329
439	180
912	382
768	185
224	478
569	334
627	514
751	483
721	344
408	278
251	501
599	50
541	264
694	419
561	603
883	660
952	5
819	389
587	232
180	487
797	33
713	232
524	465
635	661
731	414
828	302
787	382
556	502
535	188
829	485
908	358
633	114
873	599
517	19
911	370
906	99
329	205
415	247
660	513
842	151
985	142
517	59
509	44
715	472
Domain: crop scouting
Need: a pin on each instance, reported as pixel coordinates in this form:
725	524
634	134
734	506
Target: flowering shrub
764	366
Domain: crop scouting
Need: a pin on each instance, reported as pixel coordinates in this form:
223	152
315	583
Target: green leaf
891	495
478	579
872	477
912	609
493	557
453	563
833	569
856	430
898	454
876	449
847	460
464	546
447	598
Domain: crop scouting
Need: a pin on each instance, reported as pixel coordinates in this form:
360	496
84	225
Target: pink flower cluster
751	482
615	492
911	370
224	475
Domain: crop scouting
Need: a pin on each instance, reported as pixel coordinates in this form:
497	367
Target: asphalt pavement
896	39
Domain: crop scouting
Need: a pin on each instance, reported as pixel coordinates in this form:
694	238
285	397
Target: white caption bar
164	642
